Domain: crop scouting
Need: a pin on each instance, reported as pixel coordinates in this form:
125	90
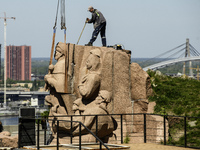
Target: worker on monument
99	23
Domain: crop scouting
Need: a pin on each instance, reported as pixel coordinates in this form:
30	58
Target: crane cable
54	34
62	13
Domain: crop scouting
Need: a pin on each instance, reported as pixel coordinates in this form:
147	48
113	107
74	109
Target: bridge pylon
187	54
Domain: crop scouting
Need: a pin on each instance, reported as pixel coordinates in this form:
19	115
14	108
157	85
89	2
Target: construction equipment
62	12
5	55
81	33
197	70
117	46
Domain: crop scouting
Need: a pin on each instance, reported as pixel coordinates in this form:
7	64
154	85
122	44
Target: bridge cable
183	54
194	49
174	54
193	52
196	52
164	53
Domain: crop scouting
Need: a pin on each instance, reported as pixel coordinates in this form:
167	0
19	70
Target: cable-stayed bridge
182	53
170	62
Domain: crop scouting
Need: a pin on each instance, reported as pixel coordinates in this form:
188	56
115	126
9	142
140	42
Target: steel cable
164	53
56	15
62	13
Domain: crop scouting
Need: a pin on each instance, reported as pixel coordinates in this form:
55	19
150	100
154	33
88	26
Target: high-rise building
0	64
18	62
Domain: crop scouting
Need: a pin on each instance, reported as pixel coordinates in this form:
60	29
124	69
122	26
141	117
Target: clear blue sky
146	27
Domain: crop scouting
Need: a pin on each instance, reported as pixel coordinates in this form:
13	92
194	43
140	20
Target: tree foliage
178	96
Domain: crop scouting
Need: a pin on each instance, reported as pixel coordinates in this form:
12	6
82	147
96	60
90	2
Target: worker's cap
60	47
96	52
90	7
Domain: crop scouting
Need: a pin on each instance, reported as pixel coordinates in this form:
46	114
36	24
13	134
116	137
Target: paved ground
144	146
150	146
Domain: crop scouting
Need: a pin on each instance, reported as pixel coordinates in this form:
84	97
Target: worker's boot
89	44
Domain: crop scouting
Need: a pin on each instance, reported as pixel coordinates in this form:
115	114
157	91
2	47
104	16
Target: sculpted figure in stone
56	77
88	87
90	80
106	124
92	101
55	82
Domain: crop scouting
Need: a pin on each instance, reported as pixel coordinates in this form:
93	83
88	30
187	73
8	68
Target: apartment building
18	62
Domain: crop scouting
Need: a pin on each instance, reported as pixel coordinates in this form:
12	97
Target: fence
137	128
31	140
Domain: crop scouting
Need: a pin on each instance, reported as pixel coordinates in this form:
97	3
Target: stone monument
89	80
96	83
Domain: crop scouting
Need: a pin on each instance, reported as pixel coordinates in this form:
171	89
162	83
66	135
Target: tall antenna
5	72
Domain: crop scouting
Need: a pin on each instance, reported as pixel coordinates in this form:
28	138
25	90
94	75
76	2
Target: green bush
177	96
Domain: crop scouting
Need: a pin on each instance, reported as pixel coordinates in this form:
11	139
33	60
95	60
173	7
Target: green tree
177	96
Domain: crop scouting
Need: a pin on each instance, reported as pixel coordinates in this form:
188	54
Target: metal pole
57	134
79	136
100	146
38	135
185	131
71	130
96	117
121	128
145	134
20	131
5	69
45	131
5	77
164	130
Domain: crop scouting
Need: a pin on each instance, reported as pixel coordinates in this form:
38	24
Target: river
9	120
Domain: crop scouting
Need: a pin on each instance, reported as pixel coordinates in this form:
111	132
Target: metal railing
57	128
150	128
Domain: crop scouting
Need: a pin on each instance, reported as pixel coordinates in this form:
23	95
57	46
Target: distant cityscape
21	89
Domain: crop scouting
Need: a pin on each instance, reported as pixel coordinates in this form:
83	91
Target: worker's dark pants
102	29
